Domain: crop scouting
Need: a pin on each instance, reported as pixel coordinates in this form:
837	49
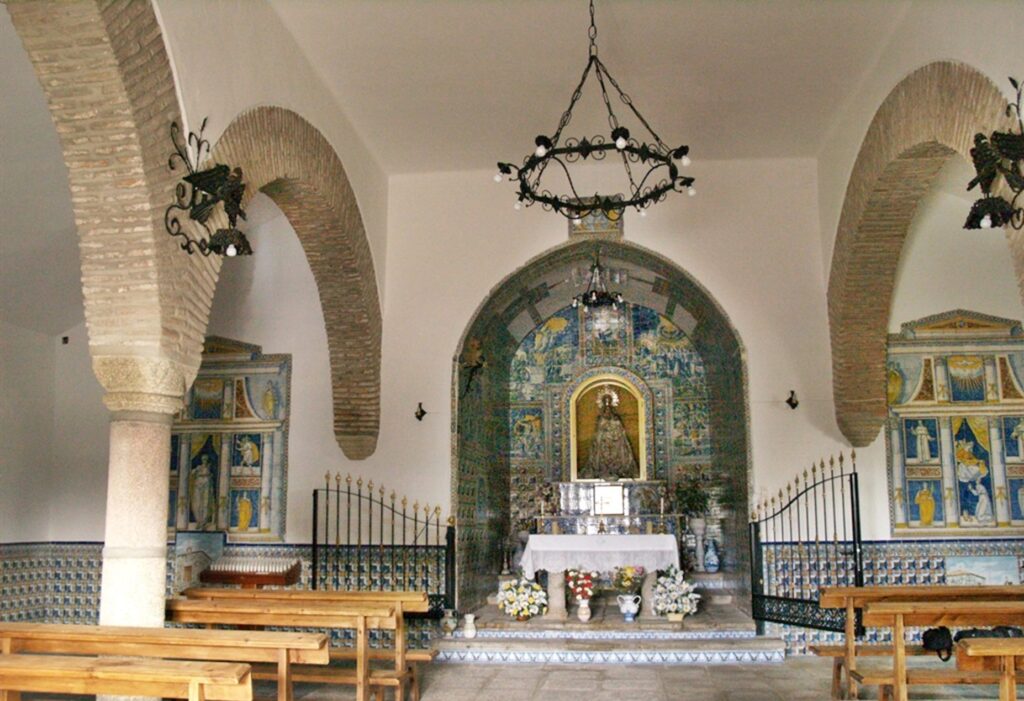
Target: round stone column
135	540
143	396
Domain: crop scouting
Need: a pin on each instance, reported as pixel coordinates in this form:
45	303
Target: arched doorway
499	396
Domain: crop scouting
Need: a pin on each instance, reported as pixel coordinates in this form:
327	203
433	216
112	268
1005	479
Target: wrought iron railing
805	538
367	539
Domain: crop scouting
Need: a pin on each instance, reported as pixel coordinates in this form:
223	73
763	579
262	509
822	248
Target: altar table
603	553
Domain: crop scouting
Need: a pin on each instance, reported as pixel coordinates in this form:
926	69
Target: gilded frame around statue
582	422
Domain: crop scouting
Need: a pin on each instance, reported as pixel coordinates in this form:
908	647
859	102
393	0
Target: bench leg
196	691
414	683
284	677
1008	680
837	678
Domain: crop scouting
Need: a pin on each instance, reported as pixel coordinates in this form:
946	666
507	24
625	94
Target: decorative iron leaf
1013	82
1009	145
986	163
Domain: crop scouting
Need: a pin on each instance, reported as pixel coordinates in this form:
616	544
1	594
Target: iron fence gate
805	538
365	539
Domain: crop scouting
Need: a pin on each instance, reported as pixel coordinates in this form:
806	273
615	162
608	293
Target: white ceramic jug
629	605
469	629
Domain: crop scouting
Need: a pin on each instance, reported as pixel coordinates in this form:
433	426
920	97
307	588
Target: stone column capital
140	383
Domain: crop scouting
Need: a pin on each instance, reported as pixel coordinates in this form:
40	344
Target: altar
557	553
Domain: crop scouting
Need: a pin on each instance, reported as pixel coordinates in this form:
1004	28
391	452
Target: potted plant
674	596
692	500
580	584
522	599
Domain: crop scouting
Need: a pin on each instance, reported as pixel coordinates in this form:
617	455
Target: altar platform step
716	634
577	650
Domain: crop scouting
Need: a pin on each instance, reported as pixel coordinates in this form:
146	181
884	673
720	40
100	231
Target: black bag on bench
996	632
940	641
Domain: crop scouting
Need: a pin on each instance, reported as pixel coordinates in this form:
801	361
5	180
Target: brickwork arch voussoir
285	157
930	115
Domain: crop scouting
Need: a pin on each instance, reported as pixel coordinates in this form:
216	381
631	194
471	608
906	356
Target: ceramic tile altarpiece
229	446
955	432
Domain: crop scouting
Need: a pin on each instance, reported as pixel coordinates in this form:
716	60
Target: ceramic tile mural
229	446
636	343
956	464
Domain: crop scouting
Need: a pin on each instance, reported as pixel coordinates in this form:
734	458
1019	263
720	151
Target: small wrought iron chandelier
597	295
662	163
198	194
1001	154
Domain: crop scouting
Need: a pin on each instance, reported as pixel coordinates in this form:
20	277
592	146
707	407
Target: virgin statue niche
607	451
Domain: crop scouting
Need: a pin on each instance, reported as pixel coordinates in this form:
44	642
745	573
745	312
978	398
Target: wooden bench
405	661
838	653
360	617
176	679
965	613
281	649
852	599
1007	652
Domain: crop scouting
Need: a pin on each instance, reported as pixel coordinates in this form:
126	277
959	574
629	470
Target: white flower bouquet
673	594
522	599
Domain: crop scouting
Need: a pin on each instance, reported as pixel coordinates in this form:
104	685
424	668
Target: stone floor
798	679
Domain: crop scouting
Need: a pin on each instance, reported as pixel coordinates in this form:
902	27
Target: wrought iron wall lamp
999	155
199	192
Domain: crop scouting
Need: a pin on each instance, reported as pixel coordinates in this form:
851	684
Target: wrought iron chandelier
199	193
661	162
1000	154
597	295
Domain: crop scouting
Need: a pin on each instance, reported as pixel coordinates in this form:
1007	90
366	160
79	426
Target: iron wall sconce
199	192
792	401
1000	154
420	412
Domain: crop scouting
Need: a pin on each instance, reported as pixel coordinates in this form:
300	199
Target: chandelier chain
628	101
593	31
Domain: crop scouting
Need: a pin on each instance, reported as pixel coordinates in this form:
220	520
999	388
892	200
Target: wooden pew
852	599
1006	651
60	674
898	615
404	660
281	649
360	617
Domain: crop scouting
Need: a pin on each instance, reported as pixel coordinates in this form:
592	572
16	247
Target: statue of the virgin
611	456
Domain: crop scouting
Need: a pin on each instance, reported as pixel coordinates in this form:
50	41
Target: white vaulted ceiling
454	85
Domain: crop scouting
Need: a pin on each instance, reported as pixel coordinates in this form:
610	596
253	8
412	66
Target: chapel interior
798	368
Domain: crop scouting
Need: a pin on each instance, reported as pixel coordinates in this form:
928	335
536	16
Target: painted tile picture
982	570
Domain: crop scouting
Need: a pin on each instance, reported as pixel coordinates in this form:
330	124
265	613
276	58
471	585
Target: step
679	651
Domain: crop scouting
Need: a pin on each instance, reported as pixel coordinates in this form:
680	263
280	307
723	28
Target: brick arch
930	115
111	94
285	157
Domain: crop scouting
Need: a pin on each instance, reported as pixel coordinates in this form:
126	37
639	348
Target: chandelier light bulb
517	206
691	191
685	160
986	221
620	143
497	177
231	251
541	152
643	212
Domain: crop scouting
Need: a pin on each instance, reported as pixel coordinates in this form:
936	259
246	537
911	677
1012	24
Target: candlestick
663	506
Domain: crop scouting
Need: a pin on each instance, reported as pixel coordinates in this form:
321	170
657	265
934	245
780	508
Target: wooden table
900	614
854	598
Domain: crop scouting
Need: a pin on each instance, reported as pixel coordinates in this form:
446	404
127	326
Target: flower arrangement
522	599
673	594
581	583
628	578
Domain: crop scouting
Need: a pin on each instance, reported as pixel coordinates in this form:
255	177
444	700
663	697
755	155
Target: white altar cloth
603	553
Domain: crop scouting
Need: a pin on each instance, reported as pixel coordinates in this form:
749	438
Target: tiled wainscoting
60	583
894	562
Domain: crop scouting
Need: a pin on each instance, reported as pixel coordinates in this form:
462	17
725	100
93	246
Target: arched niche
928	117
632	402
481	382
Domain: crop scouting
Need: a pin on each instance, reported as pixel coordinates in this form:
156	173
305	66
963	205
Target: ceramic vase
584	611
711	559
629	606
449	622
469	629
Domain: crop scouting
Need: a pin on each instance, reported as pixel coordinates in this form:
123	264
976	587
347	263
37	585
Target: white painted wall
944	267
81	443
985	34
232	55
26	433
